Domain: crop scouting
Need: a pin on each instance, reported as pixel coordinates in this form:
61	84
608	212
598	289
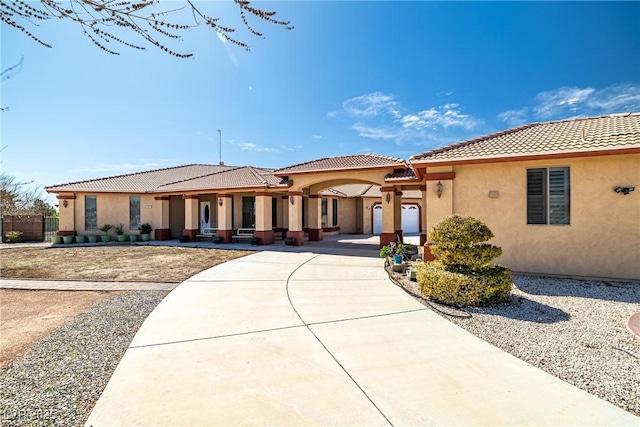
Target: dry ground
27	316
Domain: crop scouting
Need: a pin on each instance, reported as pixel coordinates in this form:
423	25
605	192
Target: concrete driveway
318	335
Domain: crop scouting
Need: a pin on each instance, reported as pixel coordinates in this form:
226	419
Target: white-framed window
549	196
134	212
90	213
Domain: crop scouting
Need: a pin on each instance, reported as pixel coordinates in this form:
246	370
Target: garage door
410	219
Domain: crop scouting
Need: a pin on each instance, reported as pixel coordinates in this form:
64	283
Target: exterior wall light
388	197
65	203
219	201
439	189
624	190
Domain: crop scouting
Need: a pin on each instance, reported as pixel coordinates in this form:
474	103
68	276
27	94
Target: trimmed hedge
464	286
462	274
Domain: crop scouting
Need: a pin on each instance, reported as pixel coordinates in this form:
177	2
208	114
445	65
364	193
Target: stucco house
558	196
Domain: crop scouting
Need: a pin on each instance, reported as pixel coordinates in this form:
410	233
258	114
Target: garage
410	219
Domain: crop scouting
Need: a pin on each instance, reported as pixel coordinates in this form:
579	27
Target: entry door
205	215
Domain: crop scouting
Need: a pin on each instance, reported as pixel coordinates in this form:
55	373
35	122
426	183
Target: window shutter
559	196
536	196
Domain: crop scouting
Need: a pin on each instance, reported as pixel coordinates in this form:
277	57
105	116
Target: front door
205	215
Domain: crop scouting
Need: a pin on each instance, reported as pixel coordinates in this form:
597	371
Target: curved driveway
322	337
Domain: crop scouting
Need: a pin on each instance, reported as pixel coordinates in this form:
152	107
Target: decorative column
284	215
264	218
163	227
191	215
423	216
67	215
295	217
225	218
397	217
388	233
315	217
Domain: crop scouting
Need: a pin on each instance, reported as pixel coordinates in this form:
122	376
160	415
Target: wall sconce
65	203
388	197
624	190
219	201
439	189
291	199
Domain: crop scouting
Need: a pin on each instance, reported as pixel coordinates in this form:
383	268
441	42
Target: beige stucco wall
111	209
347	215
603	239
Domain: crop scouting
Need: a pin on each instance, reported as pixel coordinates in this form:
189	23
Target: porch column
264	218
162	225
284	215
191	216
397	217
67	215
315	217
388	233
423	216
225	218
295	217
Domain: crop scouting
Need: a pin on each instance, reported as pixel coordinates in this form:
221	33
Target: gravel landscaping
573	329
59	381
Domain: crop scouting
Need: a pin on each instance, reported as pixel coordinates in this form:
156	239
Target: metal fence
50	227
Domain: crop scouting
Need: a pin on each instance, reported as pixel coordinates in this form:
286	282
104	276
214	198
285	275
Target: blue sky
352	77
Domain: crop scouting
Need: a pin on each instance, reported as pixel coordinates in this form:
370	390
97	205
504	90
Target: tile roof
141	182
374	191
357	161
240	177
401	175
590	134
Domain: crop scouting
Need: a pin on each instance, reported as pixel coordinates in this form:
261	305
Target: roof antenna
220	147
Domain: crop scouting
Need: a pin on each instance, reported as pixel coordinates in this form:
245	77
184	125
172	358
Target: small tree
463	273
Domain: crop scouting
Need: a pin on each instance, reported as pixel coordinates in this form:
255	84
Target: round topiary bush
462	273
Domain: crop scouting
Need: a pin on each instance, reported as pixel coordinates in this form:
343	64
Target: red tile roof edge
52	187
393	159
439	150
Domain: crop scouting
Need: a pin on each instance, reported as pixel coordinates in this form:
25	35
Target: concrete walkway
320	336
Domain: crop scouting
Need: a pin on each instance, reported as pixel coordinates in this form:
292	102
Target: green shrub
14	236
462	274
475	255
464	286
459	229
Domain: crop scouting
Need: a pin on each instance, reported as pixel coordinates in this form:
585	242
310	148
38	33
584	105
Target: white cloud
514	118
554	102
250	146
370	105
443	93
316	136
565	102
381	116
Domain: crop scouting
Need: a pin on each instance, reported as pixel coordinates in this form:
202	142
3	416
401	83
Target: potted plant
68	239
92	238
56	240
105	229
120	232
255	241
81	239
289	241
217	239
145	231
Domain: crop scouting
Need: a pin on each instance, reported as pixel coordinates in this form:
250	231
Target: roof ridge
381	156
482	138
256	174
301	164
126	174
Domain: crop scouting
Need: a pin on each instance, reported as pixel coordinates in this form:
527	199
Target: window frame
548	192
131	218
87	226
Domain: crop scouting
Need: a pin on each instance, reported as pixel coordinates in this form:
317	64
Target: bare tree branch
105	21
